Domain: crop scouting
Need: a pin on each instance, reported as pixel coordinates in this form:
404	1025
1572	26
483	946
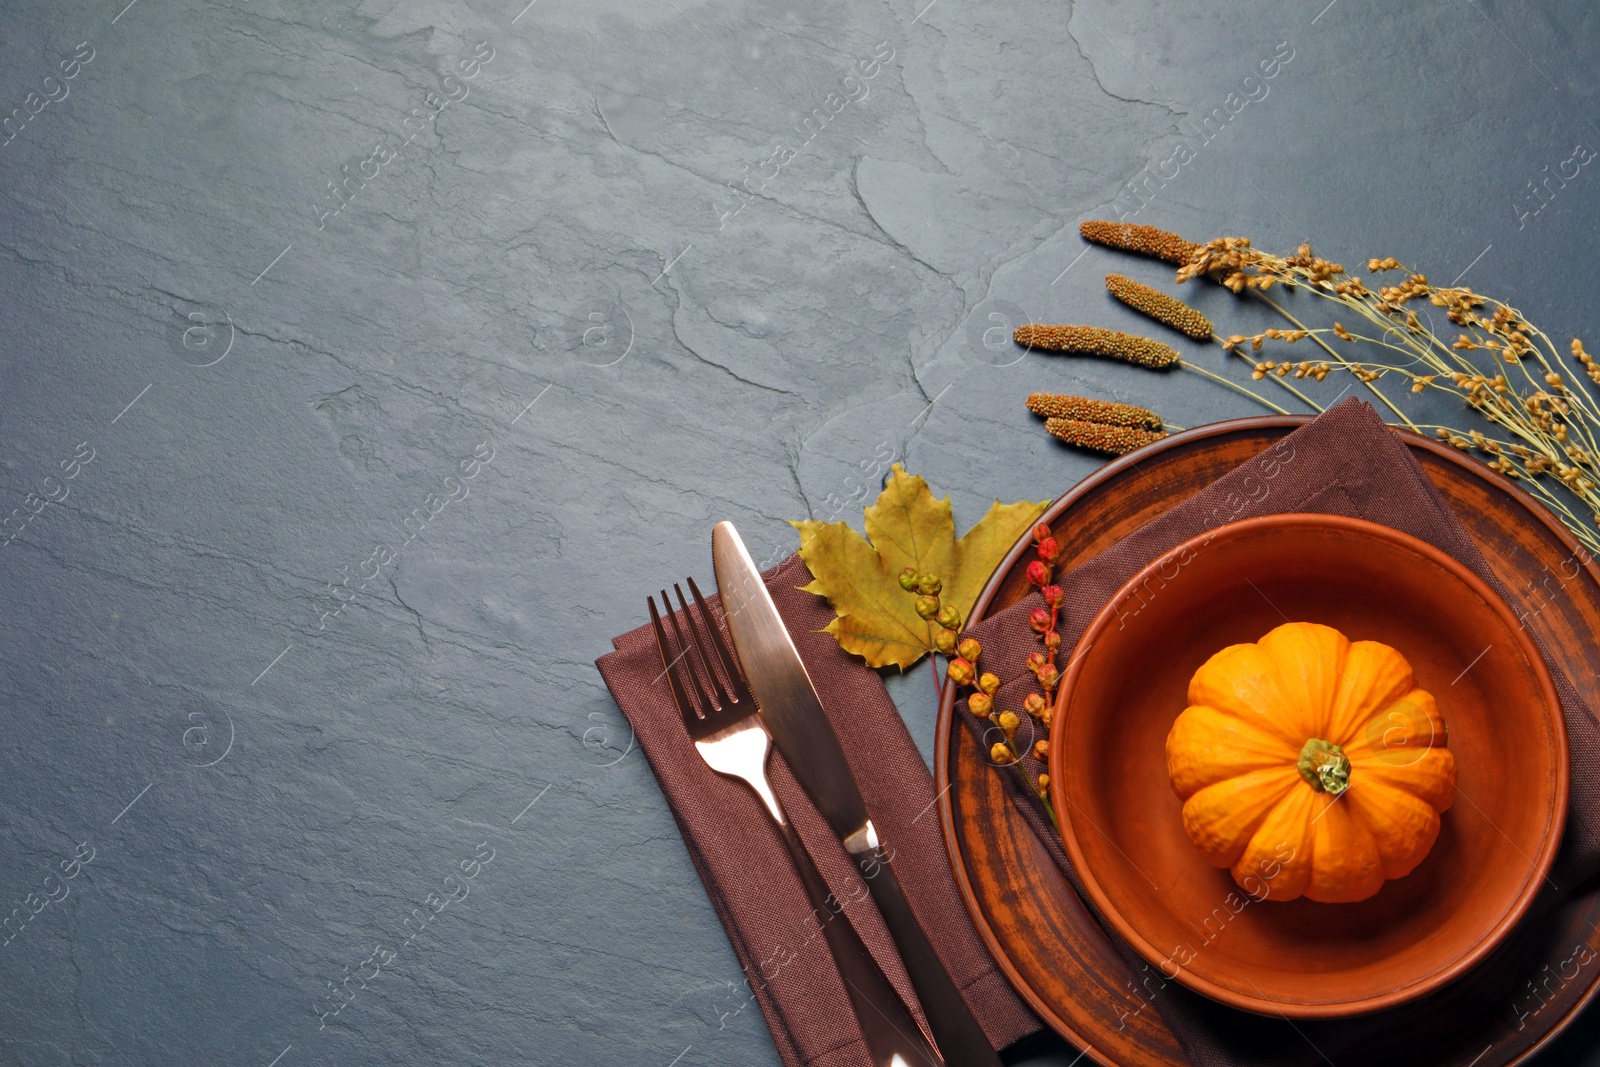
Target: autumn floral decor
905	590
1128	347
964	654
906	527
1542	400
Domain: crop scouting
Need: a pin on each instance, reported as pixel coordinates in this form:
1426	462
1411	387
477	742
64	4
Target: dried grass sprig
1130	347
1087	409
1092	340
1143	240
1538	396
1168	310
1095	341
1100	437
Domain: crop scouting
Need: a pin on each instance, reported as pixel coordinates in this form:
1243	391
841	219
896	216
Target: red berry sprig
1043	622
962	669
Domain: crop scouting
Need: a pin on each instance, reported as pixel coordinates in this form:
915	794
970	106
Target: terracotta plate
1050	947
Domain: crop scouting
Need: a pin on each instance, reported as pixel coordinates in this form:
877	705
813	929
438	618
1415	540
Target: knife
800	728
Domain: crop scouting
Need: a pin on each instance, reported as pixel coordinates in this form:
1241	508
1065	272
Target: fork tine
679	697
741	692
705	657
706	705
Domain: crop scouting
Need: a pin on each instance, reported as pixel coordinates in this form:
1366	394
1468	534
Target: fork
723	722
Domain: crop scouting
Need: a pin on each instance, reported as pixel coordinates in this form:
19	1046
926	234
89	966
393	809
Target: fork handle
891	1032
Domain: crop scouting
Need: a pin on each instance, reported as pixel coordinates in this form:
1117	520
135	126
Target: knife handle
955	1028
891	1032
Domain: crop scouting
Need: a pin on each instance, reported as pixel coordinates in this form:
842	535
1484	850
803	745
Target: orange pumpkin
1311	765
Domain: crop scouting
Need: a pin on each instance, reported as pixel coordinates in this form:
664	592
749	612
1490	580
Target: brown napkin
747	870
1345	462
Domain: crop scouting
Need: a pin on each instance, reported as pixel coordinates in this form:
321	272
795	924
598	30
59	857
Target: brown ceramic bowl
1122	822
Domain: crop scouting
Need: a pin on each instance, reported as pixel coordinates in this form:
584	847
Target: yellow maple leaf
875	618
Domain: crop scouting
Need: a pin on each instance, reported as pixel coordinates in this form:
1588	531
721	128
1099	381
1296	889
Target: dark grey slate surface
552	285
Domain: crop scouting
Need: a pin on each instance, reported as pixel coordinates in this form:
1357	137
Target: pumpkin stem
1325	766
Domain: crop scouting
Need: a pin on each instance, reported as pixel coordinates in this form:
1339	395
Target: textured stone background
267	392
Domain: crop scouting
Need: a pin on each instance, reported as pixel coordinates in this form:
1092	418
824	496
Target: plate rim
944	732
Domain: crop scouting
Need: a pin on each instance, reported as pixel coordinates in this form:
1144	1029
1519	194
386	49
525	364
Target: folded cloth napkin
1345	462
747	871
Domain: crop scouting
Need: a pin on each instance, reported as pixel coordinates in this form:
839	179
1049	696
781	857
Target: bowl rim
1473	955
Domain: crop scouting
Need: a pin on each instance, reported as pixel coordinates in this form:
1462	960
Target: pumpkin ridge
1212	815
1245	681
1345	858
1399	819
1207	745
1310	657
1410	723
1376	677
1277	864
1431	762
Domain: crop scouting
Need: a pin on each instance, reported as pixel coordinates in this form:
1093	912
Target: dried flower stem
1230	344
1275	306
1042	665
1142	351
1235	386
1544	404
964	654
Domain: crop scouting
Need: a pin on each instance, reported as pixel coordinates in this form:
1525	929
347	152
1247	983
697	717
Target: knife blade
794	715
